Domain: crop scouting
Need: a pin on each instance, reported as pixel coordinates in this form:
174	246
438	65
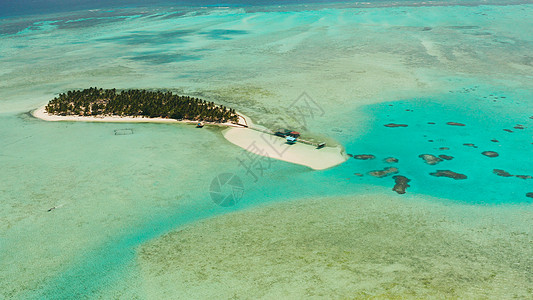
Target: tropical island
133	106
97	102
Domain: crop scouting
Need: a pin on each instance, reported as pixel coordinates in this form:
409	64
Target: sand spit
275	147
248	139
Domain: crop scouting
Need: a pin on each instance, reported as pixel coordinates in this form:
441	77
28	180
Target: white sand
248	139
42	114
275	147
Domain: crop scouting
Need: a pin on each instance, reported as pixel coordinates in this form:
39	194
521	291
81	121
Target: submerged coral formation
430	159
401	184
391	160
490	153
455	124
371	246
392	125
449	174
446	157
385	172
364	156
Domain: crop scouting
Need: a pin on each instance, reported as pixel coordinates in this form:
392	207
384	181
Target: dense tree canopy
153	104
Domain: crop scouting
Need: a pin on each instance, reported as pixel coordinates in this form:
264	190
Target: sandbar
275	147
252	140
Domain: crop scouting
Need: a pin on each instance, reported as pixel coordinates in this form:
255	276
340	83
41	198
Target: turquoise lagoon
365	67
486	114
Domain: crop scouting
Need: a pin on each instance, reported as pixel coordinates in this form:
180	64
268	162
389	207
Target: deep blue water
28	7
33	7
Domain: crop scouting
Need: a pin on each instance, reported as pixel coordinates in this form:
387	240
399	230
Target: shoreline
41	113
238	134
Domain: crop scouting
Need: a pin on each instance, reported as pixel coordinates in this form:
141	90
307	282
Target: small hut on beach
287	132
290	140
294	134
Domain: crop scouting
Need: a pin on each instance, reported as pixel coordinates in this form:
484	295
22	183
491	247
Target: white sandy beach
275	147
43	115
251	140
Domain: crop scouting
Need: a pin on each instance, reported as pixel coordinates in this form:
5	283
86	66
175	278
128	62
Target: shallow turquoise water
155	179
476	107
486	112
111	193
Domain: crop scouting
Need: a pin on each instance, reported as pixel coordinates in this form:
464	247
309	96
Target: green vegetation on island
142	103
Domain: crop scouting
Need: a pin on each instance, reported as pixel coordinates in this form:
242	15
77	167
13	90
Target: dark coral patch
358	174
449	174
385	172
364	156
446	157
455	124
444	148
495	141
430	159
470	145
401	184
392	125
530	195
391	160
507	174
431	123
349	155
490	153
502	173
518	126
508	130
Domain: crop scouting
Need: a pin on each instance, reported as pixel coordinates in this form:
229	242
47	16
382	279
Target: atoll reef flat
363	246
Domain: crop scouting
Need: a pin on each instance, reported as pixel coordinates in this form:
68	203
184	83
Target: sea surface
83	204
